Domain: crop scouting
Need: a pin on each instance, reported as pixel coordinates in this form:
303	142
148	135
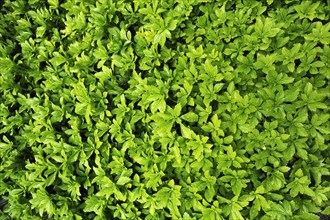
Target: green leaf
81	93
302	153
235	214
260	190
94	204
123	180
53	4
309	216
163	197
190	117
317	105
158	105
221	14
42	203
228	139
104	75
57	59
326	211
209	194
6	65
186	132
81	108
246	128
177	110
237	187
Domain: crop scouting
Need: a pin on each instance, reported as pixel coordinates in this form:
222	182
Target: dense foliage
190	109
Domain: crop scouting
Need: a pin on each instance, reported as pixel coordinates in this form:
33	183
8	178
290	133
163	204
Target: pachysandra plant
183	109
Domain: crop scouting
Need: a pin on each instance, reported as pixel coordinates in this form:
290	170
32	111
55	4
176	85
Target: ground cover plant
190	109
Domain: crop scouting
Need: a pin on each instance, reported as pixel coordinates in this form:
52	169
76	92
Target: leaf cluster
190	109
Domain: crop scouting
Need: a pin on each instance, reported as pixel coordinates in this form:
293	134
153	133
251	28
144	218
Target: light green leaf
190	117
246	128
57	59
81	92
42	203
94	204
186	132
326	211
123	180
209	194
